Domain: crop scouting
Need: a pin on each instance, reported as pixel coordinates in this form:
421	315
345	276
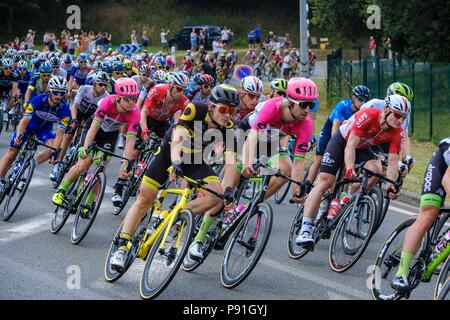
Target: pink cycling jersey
269	117
111	120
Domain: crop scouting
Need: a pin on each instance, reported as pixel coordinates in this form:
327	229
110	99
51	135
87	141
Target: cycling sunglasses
224	109
46	75
362	99
145	75
303	104
253	96
130	99
58	93
178	88
104	85
23	69
82	62
399	115
206	86
117	72
7	68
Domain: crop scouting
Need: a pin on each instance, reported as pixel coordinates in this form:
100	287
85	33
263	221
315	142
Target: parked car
182	39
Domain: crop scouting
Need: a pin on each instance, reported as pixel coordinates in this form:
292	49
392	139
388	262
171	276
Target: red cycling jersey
155	104
366	125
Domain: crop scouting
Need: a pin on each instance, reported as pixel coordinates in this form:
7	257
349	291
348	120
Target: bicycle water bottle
232	215
335	206
322	209
442	244
140	167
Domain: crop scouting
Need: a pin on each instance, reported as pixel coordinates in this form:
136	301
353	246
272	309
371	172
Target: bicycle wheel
18	189
246	246
162	264
444	294
380	203
1	119
83	222
281	194
442	228
61	214
352	234
387	262
294	250
126	195
111	274
443	277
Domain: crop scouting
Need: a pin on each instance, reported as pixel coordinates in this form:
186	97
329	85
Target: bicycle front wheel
444	294
352	234
247	245
87	210
294	250
442	228
281	194
163	263
18	189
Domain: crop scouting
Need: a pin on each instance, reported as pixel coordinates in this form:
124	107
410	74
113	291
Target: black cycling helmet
225	94
362	93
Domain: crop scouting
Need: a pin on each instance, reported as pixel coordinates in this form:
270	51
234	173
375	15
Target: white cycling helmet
252	84
159	75
398	103
22	64
57	83
179	79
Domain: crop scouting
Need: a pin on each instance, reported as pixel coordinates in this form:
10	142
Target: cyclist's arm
58	138
446	180
143	120
74	110
90	136
406	150
336	125
22	125
177	115
350	150
230	170
15	89
27	96
179	135
248	154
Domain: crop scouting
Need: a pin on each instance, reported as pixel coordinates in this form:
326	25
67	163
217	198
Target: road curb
413	198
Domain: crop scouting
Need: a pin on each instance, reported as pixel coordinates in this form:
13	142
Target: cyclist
215	115
249	96
343	110
56	67
41	113
84	106
8	81
159	76
39	83
144	82
435	188
78	74
365	129
277	88
130	70
24	77
113	112
201	93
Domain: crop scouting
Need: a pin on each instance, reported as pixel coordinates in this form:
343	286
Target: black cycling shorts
106	140
158	127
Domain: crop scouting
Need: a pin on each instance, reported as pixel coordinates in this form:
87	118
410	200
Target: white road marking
335	296
13	232
403	211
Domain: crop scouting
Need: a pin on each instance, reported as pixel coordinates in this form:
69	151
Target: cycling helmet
45	68
98	65
302	89
100	77
41	56
126	87
144	69
197	77
82	58
22	64
159	75
28	52
179	79
279	85
205	79
118	66
54	61
252	84
120	57
166	77
128	64
67	59
401	89
361	92
398	103
160	61
57	83
108	68
7	62
17	58
225	94
169	60
36	53
9	53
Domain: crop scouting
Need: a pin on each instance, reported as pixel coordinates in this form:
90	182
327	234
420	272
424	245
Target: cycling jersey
143	91
23	82
43	116
269	116
37	86
380	105
6	82
110	120
366	125
79	75
87	103
155	104
342	111
199	97
433	193
61	73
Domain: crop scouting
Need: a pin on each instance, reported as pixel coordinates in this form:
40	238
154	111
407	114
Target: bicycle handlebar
108	153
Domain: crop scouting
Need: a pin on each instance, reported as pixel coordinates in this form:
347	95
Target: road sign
242	71
129	49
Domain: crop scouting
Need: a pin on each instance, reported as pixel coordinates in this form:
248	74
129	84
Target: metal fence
430	119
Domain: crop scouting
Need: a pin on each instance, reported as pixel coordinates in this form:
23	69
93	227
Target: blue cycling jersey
23	82
37	86
41	113
79	75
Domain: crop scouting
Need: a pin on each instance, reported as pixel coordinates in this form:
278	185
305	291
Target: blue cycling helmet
46	67
362	93
108	68
160	61
118	66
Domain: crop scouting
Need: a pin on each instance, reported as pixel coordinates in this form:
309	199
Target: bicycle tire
126	196
146	292
343	225
7	214
55	225
295	251
228	280
78	235
445	292
445	270
1	119
391	263
381	206
281	194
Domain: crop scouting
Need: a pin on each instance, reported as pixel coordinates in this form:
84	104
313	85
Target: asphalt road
39	265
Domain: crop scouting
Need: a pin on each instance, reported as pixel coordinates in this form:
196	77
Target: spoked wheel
387	262
352	234
18	189
247	245
163	263
61	214
88	209
295	251
441	230
381	204
444	294
126	195
112	274
281	194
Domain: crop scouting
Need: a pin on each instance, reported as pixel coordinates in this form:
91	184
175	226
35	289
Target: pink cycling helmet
302	89
126	87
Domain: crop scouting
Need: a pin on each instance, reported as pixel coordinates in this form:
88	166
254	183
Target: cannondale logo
326	159
428	177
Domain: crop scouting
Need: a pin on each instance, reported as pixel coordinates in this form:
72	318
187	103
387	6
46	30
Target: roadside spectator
372	46
134	37
99	41
217	49
106	41
251	39
145	39
63	42
84	42
71	46
268	42
202	37
45	39
77	45
225	36
51	42
194	38
287	41
258	36
91	41
164	42
286	66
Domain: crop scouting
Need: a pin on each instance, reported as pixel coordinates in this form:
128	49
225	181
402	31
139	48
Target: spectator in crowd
217	47
286	66
106	41
51	42
134	37
63	42
91	41
145	39
194	38
84	42
71	46
45	39
268	42
287	41
99	41
164	43
251	39
258	36
202	37
372	46
29	41
225	36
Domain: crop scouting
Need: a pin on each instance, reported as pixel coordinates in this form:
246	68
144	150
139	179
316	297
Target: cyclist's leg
284	164
11	154
324	138
47	136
